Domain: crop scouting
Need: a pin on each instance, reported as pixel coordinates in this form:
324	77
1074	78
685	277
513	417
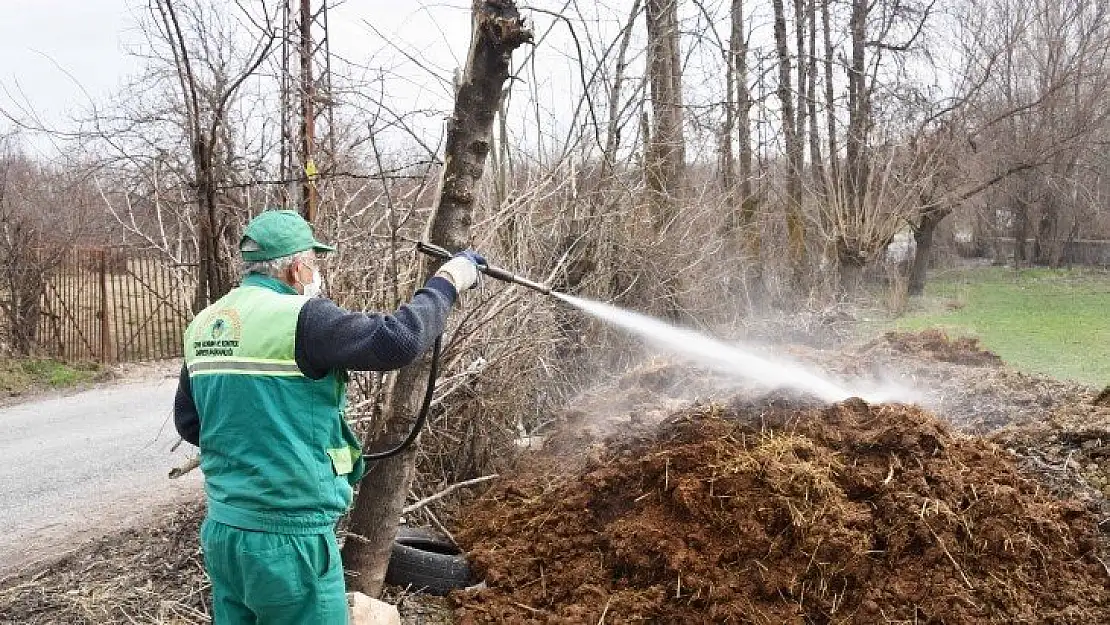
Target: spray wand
490	270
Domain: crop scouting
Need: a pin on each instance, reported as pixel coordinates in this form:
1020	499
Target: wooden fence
115	304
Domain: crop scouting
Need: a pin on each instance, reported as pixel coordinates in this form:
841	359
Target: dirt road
76	467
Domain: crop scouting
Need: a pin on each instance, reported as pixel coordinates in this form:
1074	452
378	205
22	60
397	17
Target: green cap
276	233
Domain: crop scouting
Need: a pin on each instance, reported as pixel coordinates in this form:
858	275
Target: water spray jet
699	348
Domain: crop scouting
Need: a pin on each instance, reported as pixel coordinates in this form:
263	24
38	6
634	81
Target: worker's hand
462	269
473	256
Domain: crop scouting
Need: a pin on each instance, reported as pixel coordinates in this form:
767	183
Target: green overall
278	458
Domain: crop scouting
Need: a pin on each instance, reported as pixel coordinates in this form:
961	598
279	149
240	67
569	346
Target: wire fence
115	304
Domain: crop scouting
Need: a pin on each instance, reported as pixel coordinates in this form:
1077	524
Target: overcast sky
54	51
44	40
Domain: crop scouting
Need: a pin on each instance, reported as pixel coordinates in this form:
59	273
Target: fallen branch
185	468
1104	565
601	621
441	527
527	607
447	491
950	558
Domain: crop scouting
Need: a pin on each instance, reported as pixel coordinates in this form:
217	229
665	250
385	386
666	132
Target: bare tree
795	225
738	120
801	112
744	103
830	94
206	110
881	36
859	105
496	31
811	95
1022	127
666	149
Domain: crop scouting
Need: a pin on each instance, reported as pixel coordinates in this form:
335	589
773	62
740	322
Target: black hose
422	416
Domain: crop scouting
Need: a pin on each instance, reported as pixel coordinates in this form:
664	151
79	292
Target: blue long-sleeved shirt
331	338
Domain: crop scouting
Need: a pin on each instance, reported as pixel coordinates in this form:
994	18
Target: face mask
314	288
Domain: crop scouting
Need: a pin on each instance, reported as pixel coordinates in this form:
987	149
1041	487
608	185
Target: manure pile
780	512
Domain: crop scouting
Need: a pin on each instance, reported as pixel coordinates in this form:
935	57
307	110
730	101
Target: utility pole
291	192
308	115
305	99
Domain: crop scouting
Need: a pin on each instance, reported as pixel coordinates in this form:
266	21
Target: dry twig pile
150	575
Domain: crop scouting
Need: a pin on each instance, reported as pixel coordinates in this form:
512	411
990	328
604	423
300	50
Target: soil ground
988	505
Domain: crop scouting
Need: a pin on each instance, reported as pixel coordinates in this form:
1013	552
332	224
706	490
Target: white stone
369	611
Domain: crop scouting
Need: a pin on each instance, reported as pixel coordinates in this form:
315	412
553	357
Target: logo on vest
224	332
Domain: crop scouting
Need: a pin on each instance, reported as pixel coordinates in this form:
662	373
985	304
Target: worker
262	393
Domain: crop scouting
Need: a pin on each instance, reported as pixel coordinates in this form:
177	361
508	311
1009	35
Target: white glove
461	272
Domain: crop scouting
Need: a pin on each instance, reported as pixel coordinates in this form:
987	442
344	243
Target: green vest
276	452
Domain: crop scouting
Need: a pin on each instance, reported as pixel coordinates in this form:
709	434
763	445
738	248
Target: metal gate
115	304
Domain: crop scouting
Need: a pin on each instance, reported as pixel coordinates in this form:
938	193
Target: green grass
19	376
1054	322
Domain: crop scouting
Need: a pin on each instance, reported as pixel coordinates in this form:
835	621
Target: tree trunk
795	228
786	101
728	154
1048	241
743	114
497	30
214	266
613	128
803	66
214	277
851	274
830	94
666	162
856	96
1021	232
744	204
1044	238
1022	203
923	237
856	169
811	97
208	257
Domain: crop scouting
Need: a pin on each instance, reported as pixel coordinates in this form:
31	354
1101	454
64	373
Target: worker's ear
291	274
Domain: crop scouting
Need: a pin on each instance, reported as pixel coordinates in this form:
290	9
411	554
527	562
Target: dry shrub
508	352
44	211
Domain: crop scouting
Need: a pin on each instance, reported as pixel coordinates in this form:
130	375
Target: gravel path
76	467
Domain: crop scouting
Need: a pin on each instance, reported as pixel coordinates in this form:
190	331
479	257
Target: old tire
425	562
